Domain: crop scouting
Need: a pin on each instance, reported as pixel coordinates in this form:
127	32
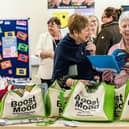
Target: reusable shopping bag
119	99
55	100
124	114
5	90
27	105
84	105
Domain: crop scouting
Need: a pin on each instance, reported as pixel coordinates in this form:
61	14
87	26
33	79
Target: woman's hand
97	78
126	68
108	76
91	48
70	82
51	54
46	54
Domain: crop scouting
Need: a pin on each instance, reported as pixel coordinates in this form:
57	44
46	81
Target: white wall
35	9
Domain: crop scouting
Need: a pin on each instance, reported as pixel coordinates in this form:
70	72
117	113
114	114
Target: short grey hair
123	16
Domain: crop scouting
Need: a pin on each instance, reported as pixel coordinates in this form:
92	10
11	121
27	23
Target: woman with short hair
71	51
121	78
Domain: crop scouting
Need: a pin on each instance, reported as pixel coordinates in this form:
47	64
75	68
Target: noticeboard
14	48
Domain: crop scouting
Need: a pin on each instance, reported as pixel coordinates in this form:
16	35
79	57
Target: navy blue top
69	53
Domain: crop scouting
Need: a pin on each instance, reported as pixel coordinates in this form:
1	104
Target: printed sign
9	47
72	4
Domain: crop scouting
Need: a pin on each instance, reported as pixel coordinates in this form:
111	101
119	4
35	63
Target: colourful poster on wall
73	4
63	15
9	47
14	48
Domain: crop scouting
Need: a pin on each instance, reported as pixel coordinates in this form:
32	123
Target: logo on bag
24	106
59	106
118	104
84	104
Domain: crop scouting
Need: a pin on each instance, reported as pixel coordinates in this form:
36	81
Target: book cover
114	62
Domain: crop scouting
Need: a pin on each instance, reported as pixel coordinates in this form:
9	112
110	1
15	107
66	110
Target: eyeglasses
103	17
52	24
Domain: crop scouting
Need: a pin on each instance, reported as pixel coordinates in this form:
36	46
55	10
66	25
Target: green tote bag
124	114
84	105
29	105
55	100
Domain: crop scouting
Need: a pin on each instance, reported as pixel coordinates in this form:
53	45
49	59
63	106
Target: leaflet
114	62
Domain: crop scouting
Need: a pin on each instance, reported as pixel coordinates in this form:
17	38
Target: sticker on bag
30	104
90	106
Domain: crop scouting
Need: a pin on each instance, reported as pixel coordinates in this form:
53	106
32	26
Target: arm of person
70	81
61	66
91	48
108	77
67	81
126	68
121	78
46	54
39	46
40	49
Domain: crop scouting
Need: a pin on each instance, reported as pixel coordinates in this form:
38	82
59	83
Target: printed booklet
114	62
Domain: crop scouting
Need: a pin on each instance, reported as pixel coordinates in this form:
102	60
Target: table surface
70	124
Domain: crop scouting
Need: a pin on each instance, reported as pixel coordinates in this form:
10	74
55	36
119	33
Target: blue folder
114	62
104	62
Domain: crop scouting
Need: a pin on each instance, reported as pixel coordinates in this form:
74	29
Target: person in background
77	2
45	50
121	78
65	3
94	26
88	3
71	53
109	34
53	3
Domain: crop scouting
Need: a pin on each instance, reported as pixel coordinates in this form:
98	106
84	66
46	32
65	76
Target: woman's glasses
103	17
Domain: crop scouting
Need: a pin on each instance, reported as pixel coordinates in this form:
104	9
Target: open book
114	62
